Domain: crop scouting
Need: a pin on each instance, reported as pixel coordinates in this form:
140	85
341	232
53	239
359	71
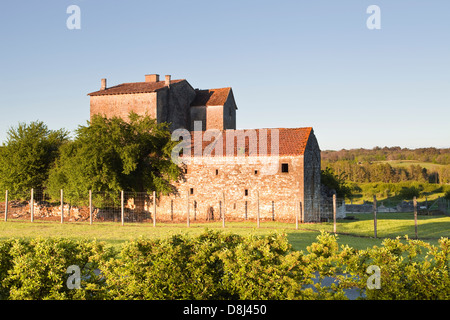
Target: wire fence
133	207
330	213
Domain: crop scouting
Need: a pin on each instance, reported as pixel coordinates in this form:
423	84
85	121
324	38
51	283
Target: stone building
172	101
234	172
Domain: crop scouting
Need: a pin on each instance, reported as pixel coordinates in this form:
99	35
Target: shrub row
217	265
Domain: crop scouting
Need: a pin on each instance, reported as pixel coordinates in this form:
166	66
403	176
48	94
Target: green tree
27	156
336	182
112	155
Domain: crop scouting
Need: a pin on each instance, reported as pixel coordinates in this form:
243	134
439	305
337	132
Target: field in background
385	194
406	163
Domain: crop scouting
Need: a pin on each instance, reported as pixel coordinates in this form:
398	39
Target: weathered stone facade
233	184
238	184
171	101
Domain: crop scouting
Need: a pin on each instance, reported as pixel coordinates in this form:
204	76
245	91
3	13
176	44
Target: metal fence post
32	205
6	206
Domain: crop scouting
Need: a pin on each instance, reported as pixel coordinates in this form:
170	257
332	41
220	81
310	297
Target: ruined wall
174	105
198	113
229	113
312	180
208	180
121	105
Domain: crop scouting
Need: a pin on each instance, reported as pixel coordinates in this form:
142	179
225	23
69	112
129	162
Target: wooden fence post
245	205
62	205
223	211
375	216
334	213
188	222
415	216
90	207
32	205
122	209
302	218
257	212
6	206
273	211
154	208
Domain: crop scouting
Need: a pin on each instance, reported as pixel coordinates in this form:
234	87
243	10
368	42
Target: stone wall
312	180
206	182
174	105
214	117
229	113
121	105
170	104
45	211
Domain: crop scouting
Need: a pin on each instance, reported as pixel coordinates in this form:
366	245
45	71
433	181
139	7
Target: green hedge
217	265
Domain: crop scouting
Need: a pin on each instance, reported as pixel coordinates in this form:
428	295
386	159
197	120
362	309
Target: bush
36	269
217	266
404	274
409	193
447	195
211	266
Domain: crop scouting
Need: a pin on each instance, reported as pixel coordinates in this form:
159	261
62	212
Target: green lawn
355	233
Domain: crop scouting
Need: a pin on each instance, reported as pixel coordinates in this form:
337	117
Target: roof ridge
134	87
292	141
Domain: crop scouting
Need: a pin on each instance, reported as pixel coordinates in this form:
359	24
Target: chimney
168	80
103	86
151	77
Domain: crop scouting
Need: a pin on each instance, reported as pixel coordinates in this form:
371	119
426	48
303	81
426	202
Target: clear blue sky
290	63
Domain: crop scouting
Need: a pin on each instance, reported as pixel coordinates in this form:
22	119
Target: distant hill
393	164
430	155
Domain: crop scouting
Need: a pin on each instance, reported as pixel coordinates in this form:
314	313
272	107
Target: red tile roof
291	141
211	97
133	87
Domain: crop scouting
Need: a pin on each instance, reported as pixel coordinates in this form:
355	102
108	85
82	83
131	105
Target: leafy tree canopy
27	156
335	182
112	155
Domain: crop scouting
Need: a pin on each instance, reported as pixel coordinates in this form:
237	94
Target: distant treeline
360	165
432	155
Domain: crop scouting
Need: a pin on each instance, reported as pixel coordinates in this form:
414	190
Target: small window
191	191
284	167
217	172
246	192
256	172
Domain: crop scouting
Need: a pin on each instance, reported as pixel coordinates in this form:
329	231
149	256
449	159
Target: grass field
356	233
406	163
